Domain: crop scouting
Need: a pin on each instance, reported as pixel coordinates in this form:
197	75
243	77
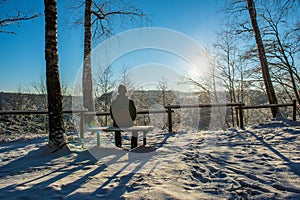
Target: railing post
294	110
169	118
237	116
81	131
241	117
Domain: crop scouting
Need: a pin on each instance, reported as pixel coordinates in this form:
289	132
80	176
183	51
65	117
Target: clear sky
22	59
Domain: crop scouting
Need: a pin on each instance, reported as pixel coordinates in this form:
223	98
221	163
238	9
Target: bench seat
133	129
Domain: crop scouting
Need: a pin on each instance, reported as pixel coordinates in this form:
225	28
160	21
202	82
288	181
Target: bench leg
98	138
144	138
134	139
118	139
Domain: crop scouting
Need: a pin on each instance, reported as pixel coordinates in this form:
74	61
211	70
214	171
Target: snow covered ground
260	162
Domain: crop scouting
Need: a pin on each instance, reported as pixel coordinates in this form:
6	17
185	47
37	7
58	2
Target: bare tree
124	77
279	38
262	57
8	19
56	131
105	83
282	45
40	86
227	60
87	84
100	16
165	91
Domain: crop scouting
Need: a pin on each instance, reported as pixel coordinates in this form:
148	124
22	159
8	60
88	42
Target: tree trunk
56	130
87	83
288	65
262	57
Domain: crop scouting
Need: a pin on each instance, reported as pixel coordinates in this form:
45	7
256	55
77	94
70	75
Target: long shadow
25	163
167	136
295	167
83	156
8	146
63	172
280	124
41	159
164	141
118	191
84	179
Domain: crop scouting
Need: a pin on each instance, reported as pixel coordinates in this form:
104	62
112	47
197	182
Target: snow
259	162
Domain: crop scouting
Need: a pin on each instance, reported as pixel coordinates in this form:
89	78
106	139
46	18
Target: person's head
122	89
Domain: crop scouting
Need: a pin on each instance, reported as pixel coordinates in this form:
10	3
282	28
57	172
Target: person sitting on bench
123	113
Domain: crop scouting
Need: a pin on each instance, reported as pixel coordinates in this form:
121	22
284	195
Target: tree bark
56	131
262	57
87	84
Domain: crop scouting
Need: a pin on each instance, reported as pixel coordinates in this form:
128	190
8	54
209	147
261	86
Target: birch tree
56	130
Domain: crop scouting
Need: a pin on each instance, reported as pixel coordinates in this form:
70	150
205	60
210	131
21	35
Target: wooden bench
133	129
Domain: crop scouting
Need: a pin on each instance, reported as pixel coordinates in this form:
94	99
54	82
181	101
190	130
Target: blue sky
22	54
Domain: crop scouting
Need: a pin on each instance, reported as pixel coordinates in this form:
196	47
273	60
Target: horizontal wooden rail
152	111
206	105
241	108
41	112
138	112
267	106
22	112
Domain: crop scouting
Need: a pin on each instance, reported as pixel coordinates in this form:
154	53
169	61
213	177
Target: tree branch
17	18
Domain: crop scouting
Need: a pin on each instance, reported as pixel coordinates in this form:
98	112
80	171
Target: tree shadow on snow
294	166
54	169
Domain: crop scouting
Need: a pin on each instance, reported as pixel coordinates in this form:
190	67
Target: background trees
282	46
271	30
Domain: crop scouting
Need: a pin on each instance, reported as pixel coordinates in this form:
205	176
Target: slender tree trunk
289	67
230	83
262	57
87	83
241	99
56	130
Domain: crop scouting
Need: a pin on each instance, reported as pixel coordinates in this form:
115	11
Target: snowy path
261	162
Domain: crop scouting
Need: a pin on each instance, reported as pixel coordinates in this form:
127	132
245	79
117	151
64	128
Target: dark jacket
123	111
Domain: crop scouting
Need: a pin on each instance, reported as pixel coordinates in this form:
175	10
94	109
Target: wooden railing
178	106
38	112
169	109
241	108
